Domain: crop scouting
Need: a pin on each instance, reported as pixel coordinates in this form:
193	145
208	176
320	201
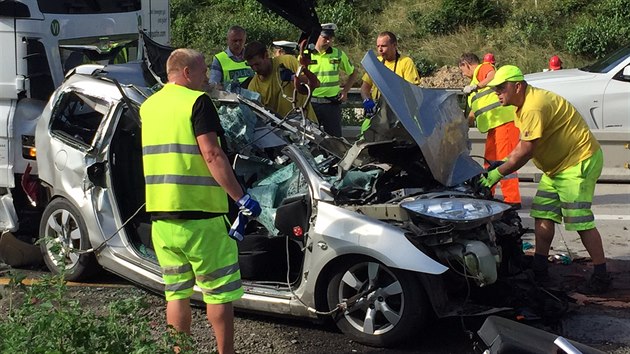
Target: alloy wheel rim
379	310
63	228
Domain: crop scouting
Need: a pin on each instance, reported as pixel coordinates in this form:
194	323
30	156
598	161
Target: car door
616	102
75	130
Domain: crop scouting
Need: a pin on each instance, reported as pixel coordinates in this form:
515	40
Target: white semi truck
41	41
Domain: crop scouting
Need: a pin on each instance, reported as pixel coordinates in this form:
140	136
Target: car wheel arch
327	273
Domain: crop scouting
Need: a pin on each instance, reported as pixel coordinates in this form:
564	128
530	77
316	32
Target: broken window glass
77	117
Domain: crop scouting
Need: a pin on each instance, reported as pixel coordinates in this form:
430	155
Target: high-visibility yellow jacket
176	175
485	105
326	67
238	70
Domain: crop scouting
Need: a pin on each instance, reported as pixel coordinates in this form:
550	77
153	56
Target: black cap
328	29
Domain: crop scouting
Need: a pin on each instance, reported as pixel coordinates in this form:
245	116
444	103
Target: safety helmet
555	63
488	58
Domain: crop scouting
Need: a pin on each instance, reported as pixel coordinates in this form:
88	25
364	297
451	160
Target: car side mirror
626	73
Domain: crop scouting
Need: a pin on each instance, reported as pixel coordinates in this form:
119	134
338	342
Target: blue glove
494	176
368	106
237	230
286	74
249	206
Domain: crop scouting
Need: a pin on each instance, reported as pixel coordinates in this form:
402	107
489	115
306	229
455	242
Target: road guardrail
615	145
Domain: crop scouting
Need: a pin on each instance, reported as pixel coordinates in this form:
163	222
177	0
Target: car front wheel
385	305
63	232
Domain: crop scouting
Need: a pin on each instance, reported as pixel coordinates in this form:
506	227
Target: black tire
62	223
397	303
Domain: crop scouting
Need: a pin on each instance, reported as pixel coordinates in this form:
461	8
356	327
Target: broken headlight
456	210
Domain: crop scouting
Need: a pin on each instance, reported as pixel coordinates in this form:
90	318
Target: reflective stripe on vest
485	105
238	70
176	175
326	69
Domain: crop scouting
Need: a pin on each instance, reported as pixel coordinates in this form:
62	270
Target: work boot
598	283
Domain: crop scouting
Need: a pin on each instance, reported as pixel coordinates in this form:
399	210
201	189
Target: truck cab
42	41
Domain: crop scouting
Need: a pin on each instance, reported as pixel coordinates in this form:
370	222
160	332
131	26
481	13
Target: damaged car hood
433	119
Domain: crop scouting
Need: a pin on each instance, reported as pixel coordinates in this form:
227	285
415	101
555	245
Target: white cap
285	44
328	29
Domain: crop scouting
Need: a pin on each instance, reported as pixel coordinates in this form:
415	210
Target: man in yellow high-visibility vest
188	178
326	63
229	65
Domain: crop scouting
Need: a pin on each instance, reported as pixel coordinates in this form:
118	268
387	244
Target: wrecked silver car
380	234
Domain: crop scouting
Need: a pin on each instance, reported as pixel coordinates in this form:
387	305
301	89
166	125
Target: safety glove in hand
249	206
368	106
286	74
237	230
470	88
494	176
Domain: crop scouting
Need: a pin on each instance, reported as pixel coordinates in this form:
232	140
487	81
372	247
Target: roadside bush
346	16
615	9
425	67
533	26
564	8
455	13
595	38
204	26
47	320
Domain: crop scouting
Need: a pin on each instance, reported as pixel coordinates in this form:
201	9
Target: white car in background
600	91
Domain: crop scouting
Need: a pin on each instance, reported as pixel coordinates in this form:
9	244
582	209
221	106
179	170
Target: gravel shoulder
602	322
599	321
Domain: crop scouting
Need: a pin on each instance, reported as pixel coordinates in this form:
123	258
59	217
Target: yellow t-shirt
564	136
271	94
403	67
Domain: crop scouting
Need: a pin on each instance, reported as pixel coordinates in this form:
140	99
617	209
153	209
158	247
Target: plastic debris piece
562	258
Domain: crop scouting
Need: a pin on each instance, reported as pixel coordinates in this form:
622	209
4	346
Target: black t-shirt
204	119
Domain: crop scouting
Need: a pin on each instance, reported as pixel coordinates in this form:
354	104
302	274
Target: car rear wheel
62	231
389	304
